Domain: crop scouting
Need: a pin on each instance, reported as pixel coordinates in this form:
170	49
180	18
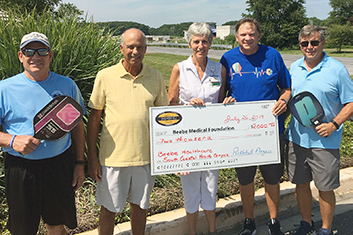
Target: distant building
224	31
160	39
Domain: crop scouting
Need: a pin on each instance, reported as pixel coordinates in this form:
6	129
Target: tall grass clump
80	48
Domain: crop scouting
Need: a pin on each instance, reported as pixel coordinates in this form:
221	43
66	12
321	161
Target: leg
272	198
56	230
304	200
106	222
327	202
211	220
192	219
138	218
247	194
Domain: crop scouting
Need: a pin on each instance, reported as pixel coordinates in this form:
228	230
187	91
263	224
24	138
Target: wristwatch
77	162
335	123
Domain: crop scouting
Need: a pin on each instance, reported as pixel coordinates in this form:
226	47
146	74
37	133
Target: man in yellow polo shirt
123	93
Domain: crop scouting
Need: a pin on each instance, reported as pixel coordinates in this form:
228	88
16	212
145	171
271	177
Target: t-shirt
259	76
21	98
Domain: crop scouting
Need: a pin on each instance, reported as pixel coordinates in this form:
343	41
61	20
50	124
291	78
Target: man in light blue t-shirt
41	176
313	152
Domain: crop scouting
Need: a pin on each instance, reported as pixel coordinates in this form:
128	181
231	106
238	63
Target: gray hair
122	36
199	29
309	30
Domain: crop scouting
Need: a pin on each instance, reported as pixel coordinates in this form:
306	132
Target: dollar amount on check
189	138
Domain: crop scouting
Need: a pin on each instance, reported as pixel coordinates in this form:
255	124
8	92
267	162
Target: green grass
163	63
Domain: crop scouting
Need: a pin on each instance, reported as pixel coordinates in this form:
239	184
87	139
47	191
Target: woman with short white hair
197	81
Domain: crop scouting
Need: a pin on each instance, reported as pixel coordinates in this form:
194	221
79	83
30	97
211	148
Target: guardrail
185	45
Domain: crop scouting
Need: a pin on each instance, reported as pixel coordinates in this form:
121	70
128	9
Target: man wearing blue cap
40	176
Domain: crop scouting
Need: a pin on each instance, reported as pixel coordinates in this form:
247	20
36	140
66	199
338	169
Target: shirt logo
237	70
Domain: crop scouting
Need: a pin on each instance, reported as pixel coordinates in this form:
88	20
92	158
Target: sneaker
274	227
324	231
249	227
306	229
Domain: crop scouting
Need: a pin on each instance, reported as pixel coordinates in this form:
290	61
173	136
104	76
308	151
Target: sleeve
284	80
76	94
162	95
224	62
345	86
97	99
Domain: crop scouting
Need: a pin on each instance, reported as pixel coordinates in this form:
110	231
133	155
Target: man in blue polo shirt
313	152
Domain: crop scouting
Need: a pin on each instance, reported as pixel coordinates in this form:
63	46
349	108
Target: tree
342	11
318	22
68	10
230	39
118	27
280	20
340	35
29	5
178	29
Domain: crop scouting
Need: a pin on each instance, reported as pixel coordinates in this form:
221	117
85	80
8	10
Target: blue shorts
39	188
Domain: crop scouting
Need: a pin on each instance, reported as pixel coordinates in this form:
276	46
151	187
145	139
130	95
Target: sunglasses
31	52
314	43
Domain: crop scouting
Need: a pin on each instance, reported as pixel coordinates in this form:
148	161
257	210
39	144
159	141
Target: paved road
217	54
342	222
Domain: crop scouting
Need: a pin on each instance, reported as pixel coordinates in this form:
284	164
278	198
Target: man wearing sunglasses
313	152
40	178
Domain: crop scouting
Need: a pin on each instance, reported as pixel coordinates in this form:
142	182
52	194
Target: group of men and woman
42	176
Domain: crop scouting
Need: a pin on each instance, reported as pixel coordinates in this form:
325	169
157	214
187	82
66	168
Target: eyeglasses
314	43
31	52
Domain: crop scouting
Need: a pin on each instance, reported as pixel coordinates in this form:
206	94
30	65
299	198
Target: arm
222	92
94	167
173	93
326	129
78	143
23	144
281	104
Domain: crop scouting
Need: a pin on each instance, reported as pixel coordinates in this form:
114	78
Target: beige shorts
120	184
200	188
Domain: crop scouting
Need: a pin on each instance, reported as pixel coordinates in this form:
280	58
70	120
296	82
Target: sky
155	13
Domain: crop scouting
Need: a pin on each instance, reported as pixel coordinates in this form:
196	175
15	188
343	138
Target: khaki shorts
320	165
120	184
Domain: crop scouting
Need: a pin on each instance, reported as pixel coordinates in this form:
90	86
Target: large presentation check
189	138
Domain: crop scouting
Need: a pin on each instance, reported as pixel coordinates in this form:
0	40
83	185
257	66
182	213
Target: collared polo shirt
330	83
192	86
125	102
